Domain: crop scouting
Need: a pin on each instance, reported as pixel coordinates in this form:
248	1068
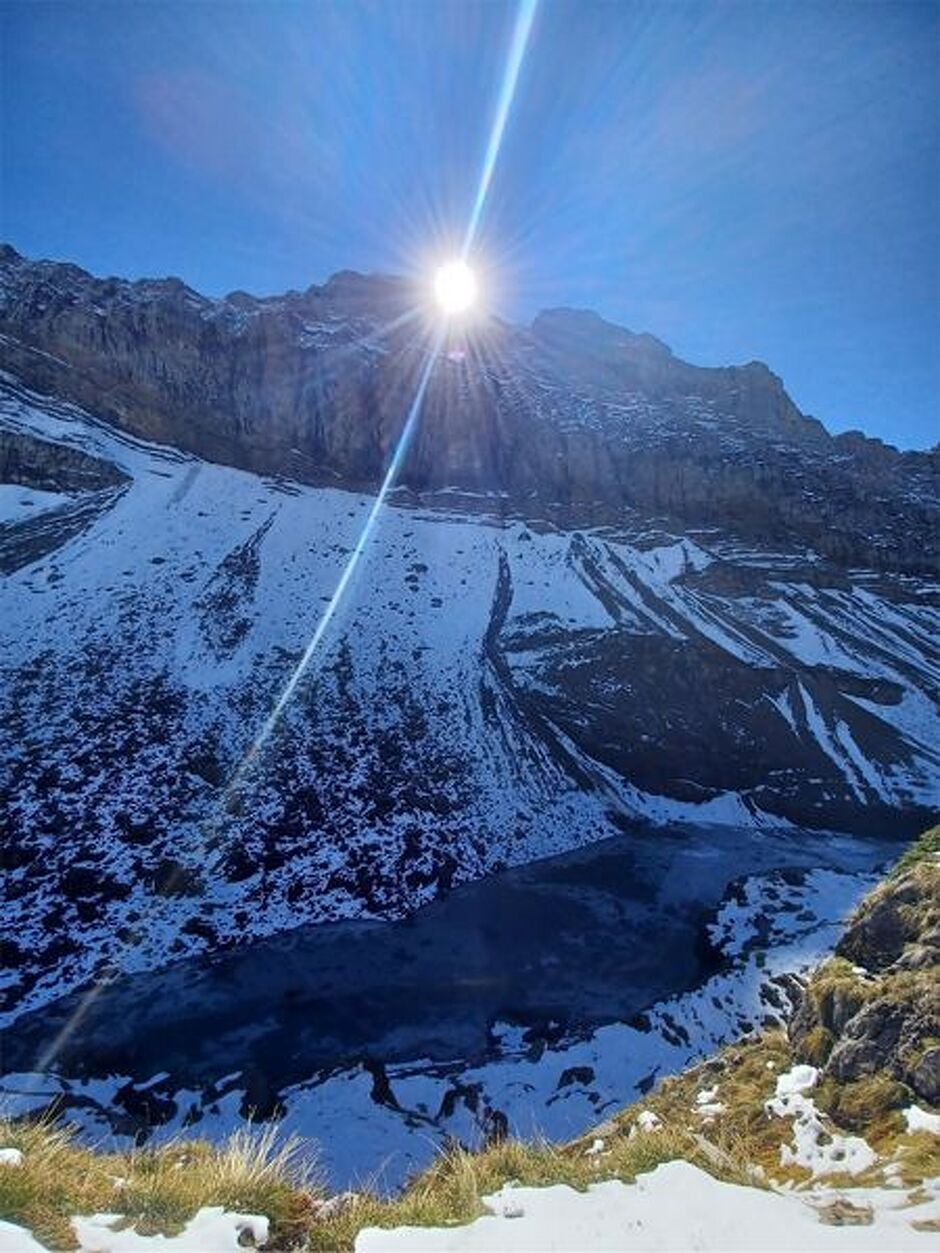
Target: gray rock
879	934
924	1076
869	1043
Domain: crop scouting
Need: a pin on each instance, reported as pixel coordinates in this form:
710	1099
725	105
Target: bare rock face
51	467
925	1075
830	1007
881	1015
572	412
888	1034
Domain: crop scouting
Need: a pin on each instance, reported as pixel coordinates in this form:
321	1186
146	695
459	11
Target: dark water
573	941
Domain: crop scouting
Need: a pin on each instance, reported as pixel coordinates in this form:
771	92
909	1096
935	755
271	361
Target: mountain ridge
572	412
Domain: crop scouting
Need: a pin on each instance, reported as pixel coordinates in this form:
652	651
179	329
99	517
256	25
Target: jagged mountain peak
242	299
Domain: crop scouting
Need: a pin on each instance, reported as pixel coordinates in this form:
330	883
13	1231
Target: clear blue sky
744	180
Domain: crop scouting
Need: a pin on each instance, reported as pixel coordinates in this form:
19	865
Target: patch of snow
212	1230
14	1239
676	1206
818	1150
797	1079
827	737
921	1120
646	1121
19	503
710	1112
706	1105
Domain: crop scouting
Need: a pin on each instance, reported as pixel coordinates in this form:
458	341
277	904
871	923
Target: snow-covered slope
494	689
713	1217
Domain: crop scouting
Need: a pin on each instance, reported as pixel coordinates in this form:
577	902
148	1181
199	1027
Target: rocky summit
612	590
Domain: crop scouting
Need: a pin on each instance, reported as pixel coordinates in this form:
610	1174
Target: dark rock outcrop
890	922
53	467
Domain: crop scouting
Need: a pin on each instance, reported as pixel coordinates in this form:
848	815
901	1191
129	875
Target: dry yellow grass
927	846
157	1189
449	1192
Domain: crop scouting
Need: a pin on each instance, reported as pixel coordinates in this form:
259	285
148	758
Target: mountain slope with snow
497	687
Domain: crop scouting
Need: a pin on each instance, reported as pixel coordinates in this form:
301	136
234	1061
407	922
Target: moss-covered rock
872	1014
903	912
834	995
889	1034
857	1106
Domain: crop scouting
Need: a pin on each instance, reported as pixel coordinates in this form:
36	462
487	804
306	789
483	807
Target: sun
455	286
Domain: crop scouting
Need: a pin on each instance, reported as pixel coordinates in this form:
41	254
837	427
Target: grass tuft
159	1189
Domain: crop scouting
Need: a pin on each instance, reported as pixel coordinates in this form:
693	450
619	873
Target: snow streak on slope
494	690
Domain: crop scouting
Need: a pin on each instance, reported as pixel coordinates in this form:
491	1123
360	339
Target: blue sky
744	180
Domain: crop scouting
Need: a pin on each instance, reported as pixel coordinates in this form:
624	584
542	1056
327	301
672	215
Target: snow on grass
922	1120
676	1206
212	1230
796	1080
706	1104
818	1150
646	1120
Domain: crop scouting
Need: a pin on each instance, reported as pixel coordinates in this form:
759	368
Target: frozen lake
560	949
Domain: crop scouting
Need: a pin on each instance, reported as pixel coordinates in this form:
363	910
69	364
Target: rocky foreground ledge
823	1136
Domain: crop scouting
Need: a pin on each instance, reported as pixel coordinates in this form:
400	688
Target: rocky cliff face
50	467
571	414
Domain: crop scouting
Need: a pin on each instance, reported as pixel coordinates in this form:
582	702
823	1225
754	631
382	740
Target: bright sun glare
455	287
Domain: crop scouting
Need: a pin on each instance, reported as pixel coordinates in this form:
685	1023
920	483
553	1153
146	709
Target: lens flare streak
328	614
525	17
517	48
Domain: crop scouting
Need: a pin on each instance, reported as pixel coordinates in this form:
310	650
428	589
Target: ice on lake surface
502	984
